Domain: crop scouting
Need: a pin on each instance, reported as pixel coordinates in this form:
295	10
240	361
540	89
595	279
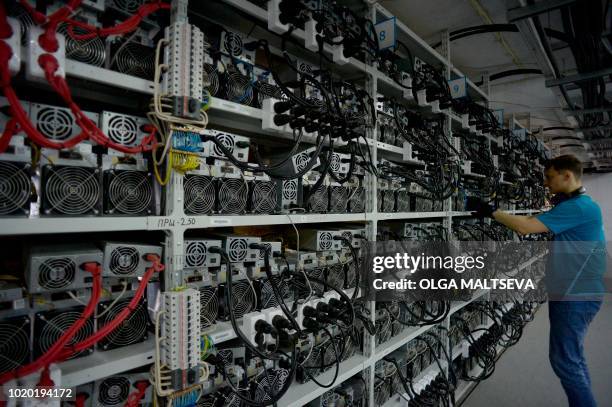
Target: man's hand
482	209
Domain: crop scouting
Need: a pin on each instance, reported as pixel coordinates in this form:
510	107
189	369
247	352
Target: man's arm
522	225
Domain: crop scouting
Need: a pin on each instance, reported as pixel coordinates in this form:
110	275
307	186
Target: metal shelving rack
248	119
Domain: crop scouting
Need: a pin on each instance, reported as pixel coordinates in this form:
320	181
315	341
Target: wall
599	187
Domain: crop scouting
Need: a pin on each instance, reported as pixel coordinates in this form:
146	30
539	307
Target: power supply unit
127	260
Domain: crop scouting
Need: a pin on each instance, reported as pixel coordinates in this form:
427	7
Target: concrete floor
523	376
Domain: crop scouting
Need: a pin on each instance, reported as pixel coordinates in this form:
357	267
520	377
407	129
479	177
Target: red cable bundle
125	27
135	397
50	355
108	328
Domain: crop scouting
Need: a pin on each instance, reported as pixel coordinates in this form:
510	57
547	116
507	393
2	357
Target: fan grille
124	260
238	250
195	254
318	200
54	123
56	273
14	188
14	343
290	190
388	200
72	190
130	192
53	327
209	306
243	298
357	200
122	129
335	163
325	241
300	161
232	44
225	139
238	88
338	199
132	330
335	276
263	198
269	384
114	391
199	193
268	299
91	51
211	77
403	201
233	195
129	6
135	59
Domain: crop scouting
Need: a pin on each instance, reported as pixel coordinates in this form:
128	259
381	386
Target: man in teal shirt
575	269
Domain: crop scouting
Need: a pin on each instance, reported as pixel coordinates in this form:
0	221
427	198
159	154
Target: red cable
48	357
108	328
122	28
80	400
10	130
134	398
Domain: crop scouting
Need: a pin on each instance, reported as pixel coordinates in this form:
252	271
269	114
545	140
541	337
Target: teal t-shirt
577	258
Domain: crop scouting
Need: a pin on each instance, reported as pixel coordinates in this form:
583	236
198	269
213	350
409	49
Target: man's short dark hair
566	162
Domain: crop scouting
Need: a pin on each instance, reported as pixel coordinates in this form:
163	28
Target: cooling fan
243	298
195	254
123	129
133	329
338	199
335	276
57	123
263	197
133	58
267	297
318	200
127	259
128	192
57	273
199	192
317	288
237	249
16	10
232	195
91	51
209	306
113	391
15	188
326	241
269	383
388	200
300	161
356	203
14	343
70	190
290	193
211	79
379	200
50	326
402	201
238	87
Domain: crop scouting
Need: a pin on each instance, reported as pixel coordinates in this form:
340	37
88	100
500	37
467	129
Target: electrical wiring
59	346
116	300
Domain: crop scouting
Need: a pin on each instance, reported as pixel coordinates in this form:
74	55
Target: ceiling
524	96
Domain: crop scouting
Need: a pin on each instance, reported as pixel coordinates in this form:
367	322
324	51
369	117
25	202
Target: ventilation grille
114	391
269	384
127	6
388	201
124	260
209	306
56	273
199	194
91	51
335	163
238	87
122	129
54	123
232	44
268	299
243	298
290	190
132	330
338	199
357	200
211	78
335	276
326	241
238	250
300	161
50	326
135	59
14	343
195	254
233	194
129	192
227	140
403	201
264	197
318	200
15	188
71	190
